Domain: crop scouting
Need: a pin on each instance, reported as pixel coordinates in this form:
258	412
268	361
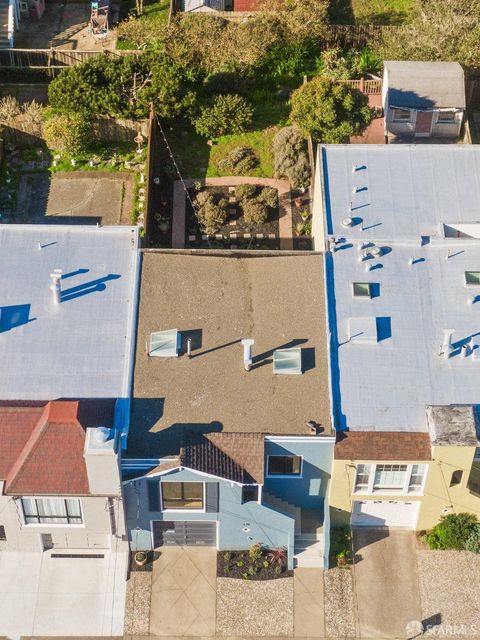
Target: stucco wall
266	525
94	534
310	489
438	497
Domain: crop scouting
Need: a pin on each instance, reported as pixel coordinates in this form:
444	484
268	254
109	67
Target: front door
423	124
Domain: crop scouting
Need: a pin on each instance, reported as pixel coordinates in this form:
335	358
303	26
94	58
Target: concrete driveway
386	582
44	596
184	592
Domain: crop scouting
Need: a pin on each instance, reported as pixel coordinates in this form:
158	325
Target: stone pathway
285	208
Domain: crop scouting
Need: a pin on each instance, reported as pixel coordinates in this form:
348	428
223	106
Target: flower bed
258	563
235	232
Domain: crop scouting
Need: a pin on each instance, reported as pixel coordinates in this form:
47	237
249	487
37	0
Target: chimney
247	352
101	460
56	286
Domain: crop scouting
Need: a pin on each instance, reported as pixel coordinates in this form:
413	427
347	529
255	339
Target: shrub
255	552
278	558
452	532
239	161
329	111
245	191
340	537
290	157
226	114
473	541
227	556
254	211
211	214
224	82
70	133
269	196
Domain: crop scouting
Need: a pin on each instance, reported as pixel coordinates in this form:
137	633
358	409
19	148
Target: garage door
184	533
385	513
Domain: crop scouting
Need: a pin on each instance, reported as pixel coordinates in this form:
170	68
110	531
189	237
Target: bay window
52	511
390	478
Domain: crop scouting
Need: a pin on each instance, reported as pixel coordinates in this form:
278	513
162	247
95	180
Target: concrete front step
308	552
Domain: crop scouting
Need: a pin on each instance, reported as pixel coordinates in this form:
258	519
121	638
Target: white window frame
370	490
171	511
404	120
57	525
289	476
450	112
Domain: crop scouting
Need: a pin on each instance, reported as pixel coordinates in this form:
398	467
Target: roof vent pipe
464	350
56	286
247	353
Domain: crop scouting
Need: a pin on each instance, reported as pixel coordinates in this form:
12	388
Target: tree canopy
330	112
446	30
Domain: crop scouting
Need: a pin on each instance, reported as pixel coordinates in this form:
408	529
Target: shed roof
425	84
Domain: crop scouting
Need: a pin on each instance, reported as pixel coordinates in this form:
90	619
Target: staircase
284	507
4	10
309	542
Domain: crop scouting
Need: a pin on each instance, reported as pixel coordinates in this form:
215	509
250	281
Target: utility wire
172	157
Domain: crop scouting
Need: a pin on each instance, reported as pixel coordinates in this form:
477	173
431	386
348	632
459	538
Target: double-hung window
390	478
52	511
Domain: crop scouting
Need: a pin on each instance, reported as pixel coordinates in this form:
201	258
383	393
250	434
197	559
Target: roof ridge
32	443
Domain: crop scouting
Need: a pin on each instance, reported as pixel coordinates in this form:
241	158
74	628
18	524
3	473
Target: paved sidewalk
184	592
309	616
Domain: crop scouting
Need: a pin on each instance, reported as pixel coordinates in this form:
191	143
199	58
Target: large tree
122	86
440	30
330	111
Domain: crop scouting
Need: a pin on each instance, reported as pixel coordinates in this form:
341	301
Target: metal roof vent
376	251
287	361
347	222
165	344
101	434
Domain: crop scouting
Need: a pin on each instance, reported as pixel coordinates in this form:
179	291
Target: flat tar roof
217	300
81	347
419	206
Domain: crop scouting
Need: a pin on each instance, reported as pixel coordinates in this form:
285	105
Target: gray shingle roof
425	84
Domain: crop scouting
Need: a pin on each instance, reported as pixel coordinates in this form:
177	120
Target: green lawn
371	11
197	159
155	12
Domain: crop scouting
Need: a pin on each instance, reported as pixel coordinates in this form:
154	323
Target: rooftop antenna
247	353
56	286
448	254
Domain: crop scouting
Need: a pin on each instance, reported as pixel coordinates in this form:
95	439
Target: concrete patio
45	596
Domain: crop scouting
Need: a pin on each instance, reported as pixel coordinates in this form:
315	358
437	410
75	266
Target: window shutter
211	501
153	495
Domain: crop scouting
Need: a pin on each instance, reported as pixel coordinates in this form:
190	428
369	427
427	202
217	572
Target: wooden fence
21	132
370	87
51	59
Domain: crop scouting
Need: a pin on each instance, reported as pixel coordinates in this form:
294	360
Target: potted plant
140	558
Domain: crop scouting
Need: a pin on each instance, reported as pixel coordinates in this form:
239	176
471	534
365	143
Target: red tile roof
41	449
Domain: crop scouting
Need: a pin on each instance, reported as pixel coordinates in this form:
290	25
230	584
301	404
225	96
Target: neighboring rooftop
80	347
392	445
425	84
41	445
453	426
410	334
216	301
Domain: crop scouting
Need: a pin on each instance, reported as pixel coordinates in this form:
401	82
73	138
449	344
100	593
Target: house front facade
423	99
60	480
